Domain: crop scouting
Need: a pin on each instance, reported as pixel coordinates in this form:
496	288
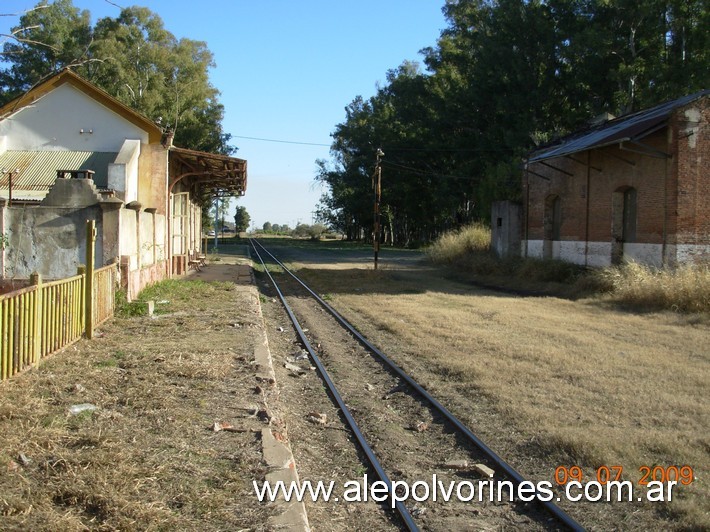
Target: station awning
214	174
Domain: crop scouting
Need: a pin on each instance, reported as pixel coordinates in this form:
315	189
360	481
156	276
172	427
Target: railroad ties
435	447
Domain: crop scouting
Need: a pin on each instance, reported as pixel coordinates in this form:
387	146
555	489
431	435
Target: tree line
131	56
504	77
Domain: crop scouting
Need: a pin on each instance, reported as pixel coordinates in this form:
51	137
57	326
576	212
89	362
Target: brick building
632	188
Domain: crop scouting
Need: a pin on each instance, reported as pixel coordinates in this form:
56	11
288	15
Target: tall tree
47	38
504	77
134	58
241	219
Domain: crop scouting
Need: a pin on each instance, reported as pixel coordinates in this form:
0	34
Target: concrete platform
275	447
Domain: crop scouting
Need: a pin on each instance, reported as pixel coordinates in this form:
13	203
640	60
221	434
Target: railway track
407	436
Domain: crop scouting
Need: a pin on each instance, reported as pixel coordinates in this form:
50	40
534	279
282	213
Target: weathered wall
506	217
123	172
50	240
690	139
143	257
153	177
129	242
147	240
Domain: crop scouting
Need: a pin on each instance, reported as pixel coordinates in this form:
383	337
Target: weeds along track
411	441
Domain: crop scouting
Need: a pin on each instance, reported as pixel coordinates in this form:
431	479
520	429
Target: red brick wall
690	139
673	195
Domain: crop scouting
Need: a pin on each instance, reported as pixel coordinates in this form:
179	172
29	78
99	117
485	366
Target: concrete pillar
111	229
506	228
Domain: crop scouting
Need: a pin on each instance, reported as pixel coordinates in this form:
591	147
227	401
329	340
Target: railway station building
635	188
70	152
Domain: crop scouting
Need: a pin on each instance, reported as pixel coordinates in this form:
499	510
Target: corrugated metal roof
630	127
38	169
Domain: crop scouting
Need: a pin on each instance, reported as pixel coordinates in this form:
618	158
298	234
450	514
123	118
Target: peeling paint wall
50	240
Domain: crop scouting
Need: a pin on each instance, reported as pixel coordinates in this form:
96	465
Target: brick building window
628	233
623	223
552	224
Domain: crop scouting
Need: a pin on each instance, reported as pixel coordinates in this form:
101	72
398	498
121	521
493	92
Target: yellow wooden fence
40	319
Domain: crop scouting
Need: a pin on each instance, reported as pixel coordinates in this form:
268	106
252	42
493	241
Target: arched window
623	223
552	223
628	233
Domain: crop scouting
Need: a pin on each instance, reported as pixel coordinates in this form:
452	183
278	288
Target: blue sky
286	70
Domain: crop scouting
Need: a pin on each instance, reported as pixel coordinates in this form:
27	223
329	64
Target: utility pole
378	196
216	223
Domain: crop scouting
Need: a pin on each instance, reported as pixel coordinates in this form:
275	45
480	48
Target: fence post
36	281
81	318
89	283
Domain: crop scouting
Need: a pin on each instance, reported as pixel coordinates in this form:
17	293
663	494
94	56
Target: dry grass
454	245
682	289
570	382
145	459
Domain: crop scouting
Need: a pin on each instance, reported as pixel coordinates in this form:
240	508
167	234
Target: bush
461	244
315	231
685	288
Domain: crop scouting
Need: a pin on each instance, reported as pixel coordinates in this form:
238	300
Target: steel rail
516	477
399	505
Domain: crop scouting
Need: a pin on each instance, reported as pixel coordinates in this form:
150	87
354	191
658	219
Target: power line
423	150
281	141
412	149
426	173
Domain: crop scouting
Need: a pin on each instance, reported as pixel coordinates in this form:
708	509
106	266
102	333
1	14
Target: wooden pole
36	280
89	282
378	197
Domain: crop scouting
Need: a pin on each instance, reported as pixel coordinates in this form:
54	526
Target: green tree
218	212
241	220
132	57
46	39
504	77
166	79
267	227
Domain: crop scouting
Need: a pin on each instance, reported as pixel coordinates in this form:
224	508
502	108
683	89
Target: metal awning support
583	163
645	149
537	175
565	172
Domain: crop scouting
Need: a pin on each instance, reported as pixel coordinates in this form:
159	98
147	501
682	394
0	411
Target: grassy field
581	382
